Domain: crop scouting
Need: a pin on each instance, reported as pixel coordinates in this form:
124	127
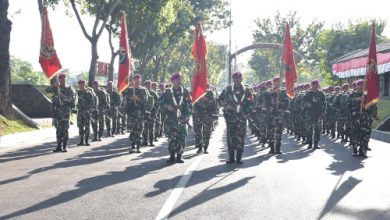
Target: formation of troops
148	110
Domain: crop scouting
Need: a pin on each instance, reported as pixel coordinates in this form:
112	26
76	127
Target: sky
74	50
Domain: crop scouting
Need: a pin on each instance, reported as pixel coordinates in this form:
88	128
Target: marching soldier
103	105
63	102
236	100
85	105
162	110
344	113
135	102
151	115
178	105
277	103
157	120
122	119
203	112
314	102
112	114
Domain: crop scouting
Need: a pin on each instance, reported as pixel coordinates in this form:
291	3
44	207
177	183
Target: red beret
95	82
109	82
315	81
359	82
81	81
62	76
345	85
237	75
137	76
147	82
154	83
161	84
175	76
337	88
268	83
276	79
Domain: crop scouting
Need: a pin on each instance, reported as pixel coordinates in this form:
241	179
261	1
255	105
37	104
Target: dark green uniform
314	103
112	113
84	111
150	117
99	118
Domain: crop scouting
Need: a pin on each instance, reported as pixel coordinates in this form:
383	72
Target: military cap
95	82
359	82
345	85
136	76
337	88
276	79
147	82
175	76
62	76
315	81
81	81
268	83
154	83
237	75
161	84
331	88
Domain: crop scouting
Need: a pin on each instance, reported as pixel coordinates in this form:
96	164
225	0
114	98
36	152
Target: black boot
145	142
205	149
64	147
239	156
231	157
362	152
95	137
272	148
178	159
277	148
132	148
138	149
151	142
58	149
171	158
100	136
199	149
333	134
86	140
354	151
310	144
81	140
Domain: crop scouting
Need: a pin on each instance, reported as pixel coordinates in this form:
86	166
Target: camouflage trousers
98	122
121	122
84	123
176	133
313	125
157	125
342	125
236	131
262	125
148	132
275	129
62	126
136	126
202	130
361	131
111	120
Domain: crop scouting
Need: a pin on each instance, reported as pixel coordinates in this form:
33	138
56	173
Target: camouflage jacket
180	100
103	99
85	102
314	103
206	106
275	106
133	106
62	107
115	99
236	102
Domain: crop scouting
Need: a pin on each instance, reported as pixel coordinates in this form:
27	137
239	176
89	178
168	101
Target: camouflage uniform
150	118
112	114
98	118
122	119
135	115
276	108
261	112
314	103
84	110
175	124
62	108
236	102
202	118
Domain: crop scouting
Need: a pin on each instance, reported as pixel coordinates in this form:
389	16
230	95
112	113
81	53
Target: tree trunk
94	59
111	67
5	74
156	68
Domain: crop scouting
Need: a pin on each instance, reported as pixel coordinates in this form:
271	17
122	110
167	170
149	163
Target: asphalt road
103	181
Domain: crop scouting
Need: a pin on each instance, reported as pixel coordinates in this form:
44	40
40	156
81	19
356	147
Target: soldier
236	100
85	105
202	118
331	116
112	114
276	102
314	102
162	110
151	114
344	113
157	120
337	108
177	103
121	121
135	102
63	102
262	111
103	105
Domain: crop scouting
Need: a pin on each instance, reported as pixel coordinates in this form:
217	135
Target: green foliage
383	111
22	72
12	126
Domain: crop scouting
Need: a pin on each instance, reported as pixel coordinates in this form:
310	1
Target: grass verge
12	126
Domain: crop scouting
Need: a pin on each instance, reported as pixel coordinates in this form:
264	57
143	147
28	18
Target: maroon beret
175	76
81	81
237	75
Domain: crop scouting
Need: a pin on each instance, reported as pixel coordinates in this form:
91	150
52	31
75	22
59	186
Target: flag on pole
372	90
199	78
290	73
48	57
124	57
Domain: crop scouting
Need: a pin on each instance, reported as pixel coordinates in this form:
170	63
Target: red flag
199	78
372	95
124	57
48	56
289	63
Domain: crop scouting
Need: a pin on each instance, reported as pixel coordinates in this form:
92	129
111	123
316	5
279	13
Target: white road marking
176	192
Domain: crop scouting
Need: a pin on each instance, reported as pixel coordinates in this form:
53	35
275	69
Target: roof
380	48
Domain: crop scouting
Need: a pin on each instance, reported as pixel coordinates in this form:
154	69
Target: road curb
380	135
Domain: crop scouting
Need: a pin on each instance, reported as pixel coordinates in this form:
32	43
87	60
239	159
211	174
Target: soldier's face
147	86
237	80
95	86
154	87
137	81
314	87
82	86
62	81
109	86
276	84
176	82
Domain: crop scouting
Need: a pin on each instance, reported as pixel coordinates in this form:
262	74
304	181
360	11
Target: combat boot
151	142
272	148
310	144
277	148
333	135
132	149
178	159
299	138
145	142
362	152
199	149
239	156
81	140
171	158
95	137
64	147
354	151
231	158
58	149
205	149
138	149
86	140
100	136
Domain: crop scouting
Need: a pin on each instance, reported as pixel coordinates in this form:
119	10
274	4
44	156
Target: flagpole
230	44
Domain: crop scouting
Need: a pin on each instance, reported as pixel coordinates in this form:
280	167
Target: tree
5	75
22	72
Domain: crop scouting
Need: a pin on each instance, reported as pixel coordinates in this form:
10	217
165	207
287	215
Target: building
353	65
